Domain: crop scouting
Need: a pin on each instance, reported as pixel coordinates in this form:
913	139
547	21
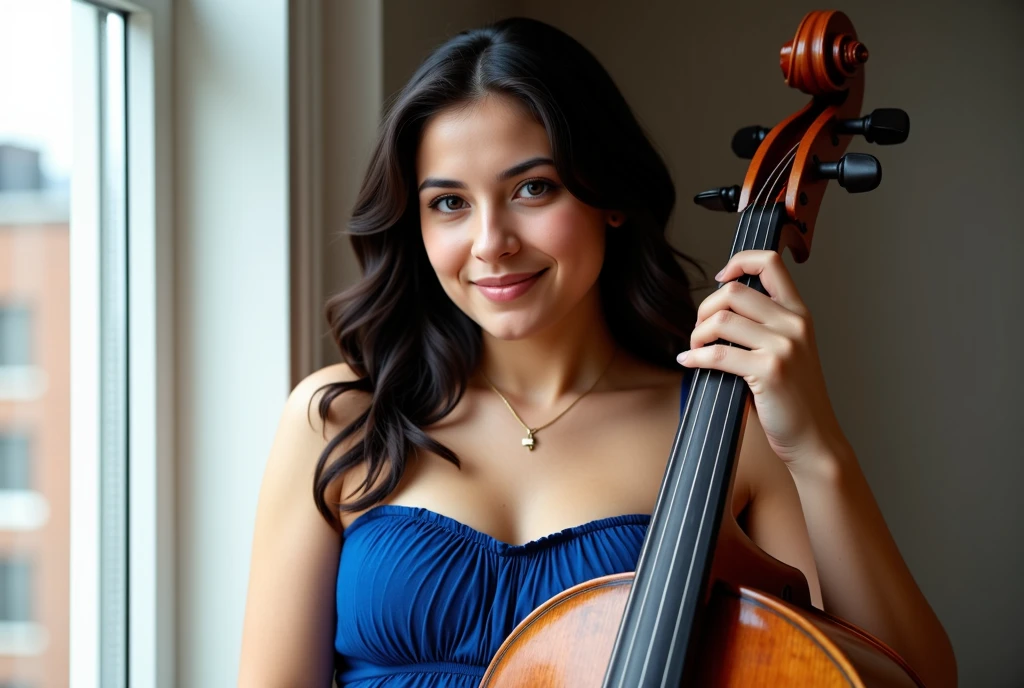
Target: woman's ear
615	219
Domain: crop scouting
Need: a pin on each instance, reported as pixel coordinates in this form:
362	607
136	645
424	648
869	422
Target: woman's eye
444	203
537	184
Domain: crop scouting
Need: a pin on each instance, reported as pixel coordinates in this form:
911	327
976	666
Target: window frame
151	618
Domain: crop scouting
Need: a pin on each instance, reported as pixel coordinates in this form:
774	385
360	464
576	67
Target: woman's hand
781	367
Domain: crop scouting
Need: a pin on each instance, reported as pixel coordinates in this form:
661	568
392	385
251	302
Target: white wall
231	308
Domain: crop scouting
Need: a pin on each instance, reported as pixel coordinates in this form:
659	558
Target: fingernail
682	357
718	277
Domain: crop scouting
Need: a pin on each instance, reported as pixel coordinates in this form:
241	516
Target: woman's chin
508	329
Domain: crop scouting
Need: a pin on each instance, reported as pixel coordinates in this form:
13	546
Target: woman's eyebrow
504	176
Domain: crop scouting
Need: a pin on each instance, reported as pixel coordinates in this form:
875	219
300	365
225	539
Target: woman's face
493	210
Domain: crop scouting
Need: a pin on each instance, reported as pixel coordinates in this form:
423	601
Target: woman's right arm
288	633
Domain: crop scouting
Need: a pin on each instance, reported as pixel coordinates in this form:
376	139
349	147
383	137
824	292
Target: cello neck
672	576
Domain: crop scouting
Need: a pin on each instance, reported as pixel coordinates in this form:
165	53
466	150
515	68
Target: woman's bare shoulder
311	390
302	435
288	626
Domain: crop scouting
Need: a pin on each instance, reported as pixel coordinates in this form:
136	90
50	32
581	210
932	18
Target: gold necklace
529	442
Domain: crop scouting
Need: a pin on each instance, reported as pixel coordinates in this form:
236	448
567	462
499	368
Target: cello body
749	638
705	606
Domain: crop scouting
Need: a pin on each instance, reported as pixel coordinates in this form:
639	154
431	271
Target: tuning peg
856	172
884	126
746	140
726	198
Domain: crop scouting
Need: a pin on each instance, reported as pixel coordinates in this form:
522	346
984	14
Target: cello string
740	239
778	175
760	206
775	188
645	552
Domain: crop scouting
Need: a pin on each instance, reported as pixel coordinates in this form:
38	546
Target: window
15	591
15	331
63	297
20	633
15	463
20	379
35	161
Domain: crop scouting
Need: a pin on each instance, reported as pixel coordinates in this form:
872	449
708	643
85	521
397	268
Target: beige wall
913	286
352	96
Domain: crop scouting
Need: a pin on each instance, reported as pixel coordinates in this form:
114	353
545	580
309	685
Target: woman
511	390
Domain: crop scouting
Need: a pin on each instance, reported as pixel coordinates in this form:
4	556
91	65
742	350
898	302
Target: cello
705	606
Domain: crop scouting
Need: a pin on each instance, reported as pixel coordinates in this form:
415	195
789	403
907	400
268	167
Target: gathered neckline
484	539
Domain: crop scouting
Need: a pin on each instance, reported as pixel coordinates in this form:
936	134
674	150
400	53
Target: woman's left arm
826	523
862	576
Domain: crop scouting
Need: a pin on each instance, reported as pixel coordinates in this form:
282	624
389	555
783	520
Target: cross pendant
528	441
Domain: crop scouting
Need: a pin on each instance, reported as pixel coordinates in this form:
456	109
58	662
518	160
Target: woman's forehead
488	135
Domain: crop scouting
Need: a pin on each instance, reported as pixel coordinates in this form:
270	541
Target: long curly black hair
410	347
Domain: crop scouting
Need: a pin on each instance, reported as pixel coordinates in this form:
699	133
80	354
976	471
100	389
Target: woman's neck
561	361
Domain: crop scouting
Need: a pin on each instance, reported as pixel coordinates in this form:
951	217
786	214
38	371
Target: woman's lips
509	292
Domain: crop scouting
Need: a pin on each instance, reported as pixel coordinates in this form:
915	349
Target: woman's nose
494	236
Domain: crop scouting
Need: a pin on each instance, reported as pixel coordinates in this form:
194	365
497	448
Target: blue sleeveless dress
425	601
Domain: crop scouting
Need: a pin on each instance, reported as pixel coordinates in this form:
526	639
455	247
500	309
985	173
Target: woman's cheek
569	234
444	253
